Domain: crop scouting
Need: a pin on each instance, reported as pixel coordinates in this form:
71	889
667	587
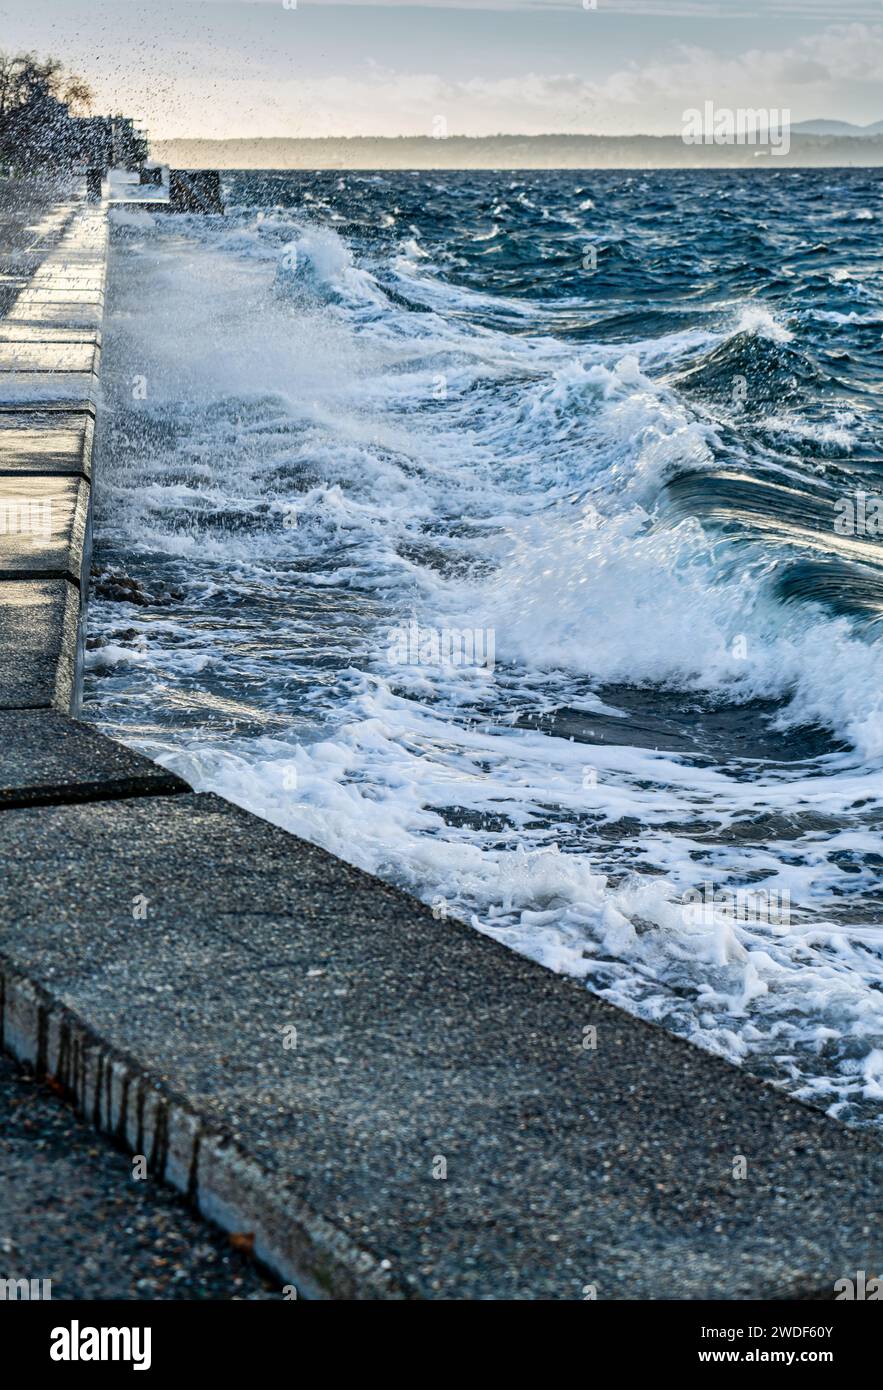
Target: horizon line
499	135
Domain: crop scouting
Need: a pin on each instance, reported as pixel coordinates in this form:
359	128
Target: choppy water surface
620	432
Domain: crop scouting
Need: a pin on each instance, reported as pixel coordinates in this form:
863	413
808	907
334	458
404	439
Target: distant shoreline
517	152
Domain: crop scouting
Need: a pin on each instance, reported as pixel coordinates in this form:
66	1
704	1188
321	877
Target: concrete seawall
393	1106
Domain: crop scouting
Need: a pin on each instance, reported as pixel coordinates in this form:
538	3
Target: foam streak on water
366	411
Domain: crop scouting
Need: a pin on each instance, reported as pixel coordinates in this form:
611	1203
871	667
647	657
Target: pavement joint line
20	327
85	793
30	406
22	576
71	472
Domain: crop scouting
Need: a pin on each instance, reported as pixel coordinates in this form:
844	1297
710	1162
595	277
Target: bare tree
78	95
39	100
8	84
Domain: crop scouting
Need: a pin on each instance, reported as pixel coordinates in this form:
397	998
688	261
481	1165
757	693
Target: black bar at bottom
250	1338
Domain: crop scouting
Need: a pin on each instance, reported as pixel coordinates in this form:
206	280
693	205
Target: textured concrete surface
72	1211
41	442
46	758
26	390
39	640
41	314
66	290
421	1047
13	332
74	293
32	219
77	271
44	527
46	430
48	357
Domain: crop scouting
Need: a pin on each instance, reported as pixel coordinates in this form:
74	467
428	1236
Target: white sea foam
759	320
475	477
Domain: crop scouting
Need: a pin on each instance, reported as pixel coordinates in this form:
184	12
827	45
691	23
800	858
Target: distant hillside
515	152
861	132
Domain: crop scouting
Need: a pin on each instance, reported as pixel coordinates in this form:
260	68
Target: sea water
512	536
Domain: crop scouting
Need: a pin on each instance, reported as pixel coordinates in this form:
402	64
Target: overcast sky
217	68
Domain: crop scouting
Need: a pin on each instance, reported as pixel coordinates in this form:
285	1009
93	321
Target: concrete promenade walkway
72	1211
394	1106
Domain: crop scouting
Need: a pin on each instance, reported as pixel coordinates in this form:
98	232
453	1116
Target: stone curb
139	1113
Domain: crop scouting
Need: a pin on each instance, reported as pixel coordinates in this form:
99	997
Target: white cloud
704	9
254	69
831	73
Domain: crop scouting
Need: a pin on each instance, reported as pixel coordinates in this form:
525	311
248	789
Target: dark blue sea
517	537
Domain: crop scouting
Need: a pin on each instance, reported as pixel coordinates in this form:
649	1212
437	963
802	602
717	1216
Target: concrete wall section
49	357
